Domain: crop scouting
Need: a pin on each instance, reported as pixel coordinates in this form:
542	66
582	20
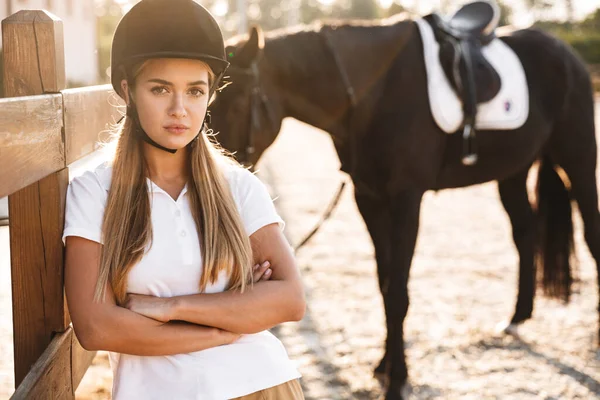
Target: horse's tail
555	232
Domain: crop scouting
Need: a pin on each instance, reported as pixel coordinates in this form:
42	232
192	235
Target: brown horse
365	84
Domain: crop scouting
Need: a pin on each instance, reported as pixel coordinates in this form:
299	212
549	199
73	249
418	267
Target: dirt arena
463	284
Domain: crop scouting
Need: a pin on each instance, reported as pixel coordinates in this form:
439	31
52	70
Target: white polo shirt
172	267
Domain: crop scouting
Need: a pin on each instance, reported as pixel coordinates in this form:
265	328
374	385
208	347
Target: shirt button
182	234
178	213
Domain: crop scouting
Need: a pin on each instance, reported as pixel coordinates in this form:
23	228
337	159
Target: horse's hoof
398	392
393	396
508	328
520	317
380	372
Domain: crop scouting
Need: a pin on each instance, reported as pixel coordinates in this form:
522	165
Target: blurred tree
394	9
506	12
269	14
108	15
540	8
592	22
363	9
570	11
311	10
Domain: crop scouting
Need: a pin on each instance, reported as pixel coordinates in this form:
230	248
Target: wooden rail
43	129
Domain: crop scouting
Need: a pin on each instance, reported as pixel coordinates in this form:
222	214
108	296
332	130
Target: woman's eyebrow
196	83
163	82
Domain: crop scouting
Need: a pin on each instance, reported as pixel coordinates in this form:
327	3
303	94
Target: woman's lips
176	129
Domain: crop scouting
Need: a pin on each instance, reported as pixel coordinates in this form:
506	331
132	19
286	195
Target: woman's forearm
260	307
120	330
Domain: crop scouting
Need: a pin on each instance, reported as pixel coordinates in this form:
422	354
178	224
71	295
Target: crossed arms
150	325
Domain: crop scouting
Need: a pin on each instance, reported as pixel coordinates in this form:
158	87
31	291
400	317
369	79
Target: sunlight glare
220	8
385	3
327	2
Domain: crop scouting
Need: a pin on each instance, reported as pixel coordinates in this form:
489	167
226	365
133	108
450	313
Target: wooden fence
43	129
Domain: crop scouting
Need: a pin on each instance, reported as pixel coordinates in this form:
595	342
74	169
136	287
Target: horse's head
246	114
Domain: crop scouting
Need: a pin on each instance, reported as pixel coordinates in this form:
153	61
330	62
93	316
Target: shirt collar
105	175
154	188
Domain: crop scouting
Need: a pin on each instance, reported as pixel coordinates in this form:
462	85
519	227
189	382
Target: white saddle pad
508	110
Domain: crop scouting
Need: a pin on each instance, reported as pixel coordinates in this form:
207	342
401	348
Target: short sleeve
255	203
86	200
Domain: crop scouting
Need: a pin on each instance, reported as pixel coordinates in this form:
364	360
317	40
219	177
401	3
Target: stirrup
469	154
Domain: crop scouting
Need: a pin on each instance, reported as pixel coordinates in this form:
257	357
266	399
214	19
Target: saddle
474	80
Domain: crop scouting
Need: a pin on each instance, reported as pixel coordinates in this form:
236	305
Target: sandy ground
463	283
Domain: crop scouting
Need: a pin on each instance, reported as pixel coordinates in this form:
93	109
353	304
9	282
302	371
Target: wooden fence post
33	49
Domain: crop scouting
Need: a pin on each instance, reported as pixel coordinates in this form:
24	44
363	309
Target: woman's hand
228	337
261	272
158	308
162	308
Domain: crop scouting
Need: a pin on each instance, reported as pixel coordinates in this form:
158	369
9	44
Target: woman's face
171	97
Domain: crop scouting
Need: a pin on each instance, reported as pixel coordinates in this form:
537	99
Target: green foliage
592	22
584	36
362	9
311	10
588	46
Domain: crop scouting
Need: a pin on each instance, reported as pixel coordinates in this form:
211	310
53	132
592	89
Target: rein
259	99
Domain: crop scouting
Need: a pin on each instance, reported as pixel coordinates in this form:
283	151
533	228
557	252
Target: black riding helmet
166	29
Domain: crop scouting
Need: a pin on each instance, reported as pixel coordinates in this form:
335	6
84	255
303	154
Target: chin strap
132	113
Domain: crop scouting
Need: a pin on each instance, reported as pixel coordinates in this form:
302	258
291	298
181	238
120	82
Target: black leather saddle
461	38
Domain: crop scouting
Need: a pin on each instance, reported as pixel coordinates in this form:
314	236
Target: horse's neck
310	81
300	64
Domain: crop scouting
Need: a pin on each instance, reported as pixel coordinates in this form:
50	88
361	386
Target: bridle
258	101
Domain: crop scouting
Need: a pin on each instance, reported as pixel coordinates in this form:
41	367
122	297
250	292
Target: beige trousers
290	390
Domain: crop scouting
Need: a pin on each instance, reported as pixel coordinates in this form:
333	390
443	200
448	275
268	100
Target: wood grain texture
33	47
90	114
36	224
31	145
50	376
34	56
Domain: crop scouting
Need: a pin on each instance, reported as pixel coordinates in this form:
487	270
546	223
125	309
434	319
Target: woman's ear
125	90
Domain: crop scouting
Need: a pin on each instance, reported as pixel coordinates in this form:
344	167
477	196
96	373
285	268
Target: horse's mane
285	44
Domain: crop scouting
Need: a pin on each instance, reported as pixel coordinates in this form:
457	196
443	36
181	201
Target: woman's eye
196	92
159	90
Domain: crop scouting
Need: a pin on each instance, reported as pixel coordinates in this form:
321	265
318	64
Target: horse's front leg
405	208
376	214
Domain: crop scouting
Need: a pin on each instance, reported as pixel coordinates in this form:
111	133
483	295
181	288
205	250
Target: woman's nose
177	108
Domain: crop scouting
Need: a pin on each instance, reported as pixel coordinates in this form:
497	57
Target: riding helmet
167	29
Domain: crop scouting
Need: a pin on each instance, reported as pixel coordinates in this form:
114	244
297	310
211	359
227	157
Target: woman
160	243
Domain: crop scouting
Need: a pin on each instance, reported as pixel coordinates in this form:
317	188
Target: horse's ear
250	51
257	36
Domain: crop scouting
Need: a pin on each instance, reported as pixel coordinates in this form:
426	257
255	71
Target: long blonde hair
127	229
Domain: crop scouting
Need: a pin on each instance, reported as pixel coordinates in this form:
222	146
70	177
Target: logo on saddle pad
506	108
